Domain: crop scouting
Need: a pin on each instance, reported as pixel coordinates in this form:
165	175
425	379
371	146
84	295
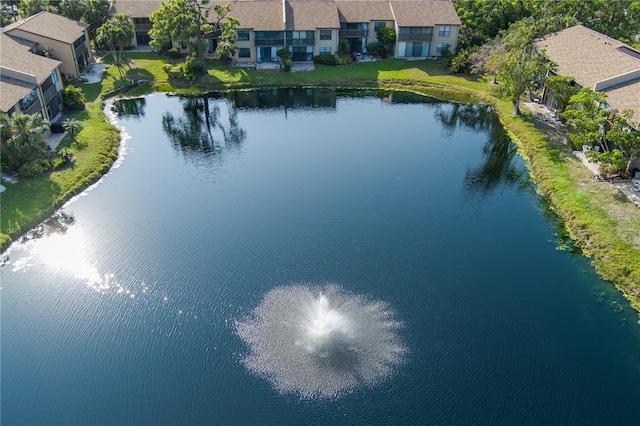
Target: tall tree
27	142
189	22
561	89
625	138
73	9
586	117
31	7
518	66
96	14
116	32
227	41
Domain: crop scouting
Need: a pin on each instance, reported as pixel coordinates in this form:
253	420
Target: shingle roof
586	55
625	96
50	25
16	56
422	13
266	15
135	8
309	15
13	91
364	11
589	57
260	15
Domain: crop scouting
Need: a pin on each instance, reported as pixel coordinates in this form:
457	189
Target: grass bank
605	226
28	202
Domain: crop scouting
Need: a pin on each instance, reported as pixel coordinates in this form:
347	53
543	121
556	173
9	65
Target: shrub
192	69
345	60
73	98
343	47
173	53
287	65
325	60
63	157
66	154
34	168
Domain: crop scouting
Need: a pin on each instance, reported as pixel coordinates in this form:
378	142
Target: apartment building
424	28
67	39
29	83
598	62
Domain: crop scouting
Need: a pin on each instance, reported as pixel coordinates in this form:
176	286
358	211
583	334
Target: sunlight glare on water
67	253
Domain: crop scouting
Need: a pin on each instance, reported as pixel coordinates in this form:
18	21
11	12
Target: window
79	42
244	52
54	77
444	31
379	24
243	35
325	34
416	30
442	47
29	100
301	35
325	51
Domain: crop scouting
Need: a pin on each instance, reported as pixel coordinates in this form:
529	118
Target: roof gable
423	13
50	25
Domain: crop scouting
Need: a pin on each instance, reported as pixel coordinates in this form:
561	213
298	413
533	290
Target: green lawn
605	226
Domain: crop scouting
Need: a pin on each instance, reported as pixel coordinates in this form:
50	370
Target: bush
325	60
287	65
73	99
345	60
64	157
34	168
189	69
173	53
192	69
343	47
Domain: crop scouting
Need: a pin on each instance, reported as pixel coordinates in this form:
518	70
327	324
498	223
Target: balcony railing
80	50
300	42
144	27
415	37
36	107
353	33
49	93
269	42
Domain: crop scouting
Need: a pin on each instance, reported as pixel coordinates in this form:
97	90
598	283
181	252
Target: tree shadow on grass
555	136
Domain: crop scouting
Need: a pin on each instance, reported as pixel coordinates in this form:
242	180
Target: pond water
312	257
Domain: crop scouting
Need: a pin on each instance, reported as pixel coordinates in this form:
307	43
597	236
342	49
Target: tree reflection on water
499	151
201	128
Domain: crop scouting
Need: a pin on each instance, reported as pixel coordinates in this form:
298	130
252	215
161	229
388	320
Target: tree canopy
482	20
117	31
191	22
517	65
25	141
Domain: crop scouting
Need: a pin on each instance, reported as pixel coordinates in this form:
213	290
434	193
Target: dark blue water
123	311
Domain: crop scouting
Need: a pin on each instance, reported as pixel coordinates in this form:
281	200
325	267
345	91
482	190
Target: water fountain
321	341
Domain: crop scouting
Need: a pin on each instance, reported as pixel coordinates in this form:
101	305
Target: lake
248	253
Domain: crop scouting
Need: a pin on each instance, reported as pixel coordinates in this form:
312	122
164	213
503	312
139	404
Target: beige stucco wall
333	43
252	49
452	40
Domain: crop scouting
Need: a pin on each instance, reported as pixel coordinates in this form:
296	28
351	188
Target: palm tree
96	14
73	127
117	31
27	142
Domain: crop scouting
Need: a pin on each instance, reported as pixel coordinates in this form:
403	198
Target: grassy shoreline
602	224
